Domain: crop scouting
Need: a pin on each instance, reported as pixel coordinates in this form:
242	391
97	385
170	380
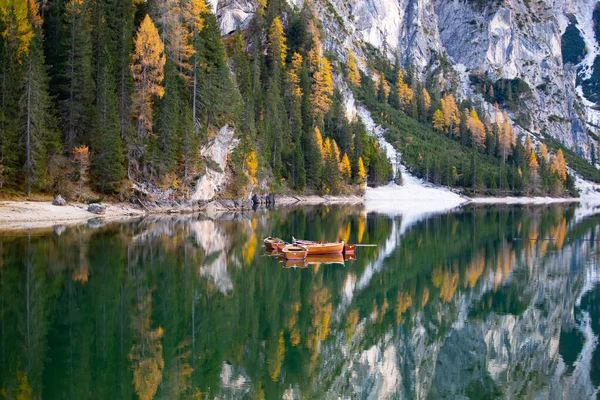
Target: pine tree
41	134
107	169
15	34
148	73
216	98
77	92
313	152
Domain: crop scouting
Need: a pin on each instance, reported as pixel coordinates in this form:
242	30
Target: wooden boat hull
325	248
325	259
271	243
292	252
280	245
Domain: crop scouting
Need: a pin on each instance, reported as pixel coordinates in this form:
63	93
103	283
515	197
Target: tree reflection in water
482	302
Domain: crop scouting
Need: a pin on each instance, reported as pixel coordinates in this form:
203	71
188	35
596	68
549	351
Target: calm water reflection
485	302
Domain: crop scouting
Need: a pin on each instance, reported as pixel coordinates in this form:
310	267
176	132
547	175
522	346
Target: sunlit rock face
507	40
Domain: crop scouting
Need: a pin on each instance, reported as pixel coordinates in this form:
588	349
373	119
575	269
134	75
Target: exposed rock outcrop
216	152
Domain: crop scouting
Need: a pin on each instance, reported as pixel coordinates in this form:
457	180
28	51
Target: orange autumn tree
81	157
147	69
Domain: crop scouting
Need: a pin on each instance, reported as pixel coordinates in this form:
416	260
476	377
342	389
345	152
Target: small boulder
97	208
59	201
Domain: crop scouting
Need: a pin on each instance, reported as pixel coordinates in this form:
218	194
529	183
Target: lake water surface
484	302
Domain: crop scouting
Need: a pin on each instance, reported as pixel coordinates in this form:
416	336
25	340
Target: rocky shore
15	215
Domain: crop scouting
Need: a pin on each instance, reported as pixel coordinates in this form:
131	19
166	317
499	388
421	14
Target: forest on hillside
105	93
98	95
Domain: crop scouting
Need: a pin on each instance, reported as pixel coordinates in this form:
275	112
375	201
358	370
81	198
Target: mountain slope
450	40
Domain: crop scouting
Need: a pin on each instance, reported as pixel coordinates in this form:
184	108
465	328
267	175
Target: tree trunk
28	131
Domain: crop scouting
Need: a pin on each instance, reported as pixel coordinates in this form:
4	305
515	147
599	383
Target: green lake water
484	302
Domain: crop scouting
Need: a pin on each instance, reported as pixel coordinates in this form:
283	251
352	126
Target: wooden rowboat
304	242
321	247
325	248
294	252
271	243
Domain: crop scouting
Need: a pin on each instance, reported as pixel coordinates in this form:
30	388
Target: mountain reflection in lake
448	306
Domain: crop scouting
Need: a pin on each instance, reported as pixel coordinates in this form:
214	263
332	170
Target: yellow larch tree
426	100
322	89
277	42
327	149
383	84
147	70
543	152
361	174
252	166
180	21
353	72
533	162
319	139
405	93
559	165
345	166
476	127
335	151
293	75
507	139
16	30
451	114
439	121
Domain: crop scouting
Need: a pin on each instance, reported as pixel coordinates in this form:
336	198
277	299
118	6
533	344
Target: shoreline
27	215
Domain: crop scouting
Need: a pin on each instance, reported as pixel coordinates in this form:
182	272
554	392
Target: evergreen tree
41	135
107	169
216	98
15	38
77	88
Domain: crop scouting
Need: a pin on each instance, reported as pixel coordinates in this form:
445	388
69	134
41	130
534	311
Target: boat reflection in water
339	259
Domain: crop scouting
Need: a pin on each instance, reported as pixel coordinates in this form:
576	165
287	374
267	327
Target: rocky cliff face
506	40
